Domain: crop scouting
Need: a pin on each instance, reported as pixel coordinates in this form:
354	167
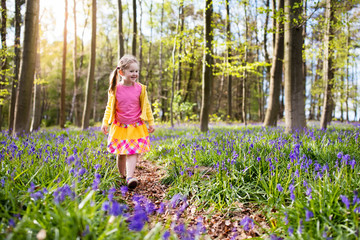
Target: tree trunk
293	63
4	61
182	19
244	113
328	69
207	67
160	89
63	73
75	103
191	74
134	29
174	72
121	50
149	69
36	110
276	72
228	58
26	81
15	79
140	41
90	78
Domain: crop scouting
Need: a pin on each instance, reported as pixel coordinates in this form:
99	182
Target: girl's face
130	74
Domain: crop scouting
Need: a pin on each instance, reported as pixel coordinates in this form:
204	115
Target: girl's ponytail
112	81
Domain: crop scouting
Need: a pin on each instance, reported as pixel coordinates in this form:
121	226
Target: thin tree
293	64
36	108
121	50
328	69
90	77
174	72
4	58
228	58
160	89
140	41
207	67
15	79
27	71
148	71
75	99
63	72
272	111
182	20
134	29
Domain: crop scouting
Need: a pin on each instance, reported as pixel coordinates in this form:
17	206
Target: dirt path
218	225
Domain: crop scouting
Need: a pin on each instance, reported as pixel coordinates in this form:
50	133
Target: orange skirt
128	139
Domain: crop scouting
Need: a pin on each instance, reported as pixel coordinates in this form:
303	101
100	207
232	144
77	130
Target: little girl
127	110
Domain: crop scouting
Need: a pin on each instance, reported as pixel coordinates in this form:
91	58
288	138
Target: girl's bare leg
121	165
130	165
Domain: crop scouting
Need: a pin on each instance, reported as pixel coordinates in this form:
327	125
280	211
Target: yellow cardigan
146	113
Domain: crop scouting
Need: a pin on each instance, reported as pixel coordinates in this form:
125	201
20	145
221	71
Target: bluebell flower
180	230
37	195
247	223
105	206
286	218
357	210
11	222
166	235
161	208
97	166
340	155
175	200
274	237
345	200
280	189
308	214
117	209
308	192
137	222
32	187
124	190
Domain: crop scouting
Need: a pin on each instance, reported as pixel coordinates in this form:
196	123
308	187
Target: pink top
128	108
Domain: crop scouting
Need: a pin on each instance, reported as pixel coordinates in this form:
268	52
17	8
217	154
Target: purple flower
105	206
37	195
111	193
2	182
291	231
180	230
117	209
247	223
357	210
308	214
82	171
345	200
274	237
166	235
124	190
97	166
286	218
175	200
32	187
11	222
137	222
161	208
280	189
339	155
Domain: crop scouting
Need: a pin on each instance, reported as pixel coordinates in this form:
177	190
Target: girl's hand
151	129
104	129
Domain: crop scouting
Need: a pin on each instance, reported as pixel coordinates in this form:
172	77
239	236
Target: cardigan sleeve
107	113
149	115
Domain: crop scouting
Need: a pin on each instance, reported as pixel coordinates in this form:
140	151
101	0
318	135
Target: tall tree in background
4	61
27	71
134	29
91	72
140	41
63	72
121	50
328	69
272	111
75	103
181	33
207	67
293	65
160	89
15	78
174	72
228	58
149	68
36	108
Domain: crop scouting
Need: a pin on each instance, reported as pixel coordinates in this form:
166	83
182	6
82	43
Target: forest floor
219	225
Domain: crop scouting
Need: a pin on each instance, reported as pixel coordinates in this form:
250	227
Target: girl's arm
105	122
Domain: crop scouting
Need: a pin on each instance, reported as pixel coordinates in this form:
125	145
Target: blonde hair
123	64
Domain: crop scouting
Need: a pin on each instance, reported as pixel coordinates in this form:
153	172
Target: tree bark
15	79
121	50
149	69
134	29
328	69
207	67
276	72
228	59
36	111
140	41
63	72
160	89
90	78
293	64
182	19
4	61
26	81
